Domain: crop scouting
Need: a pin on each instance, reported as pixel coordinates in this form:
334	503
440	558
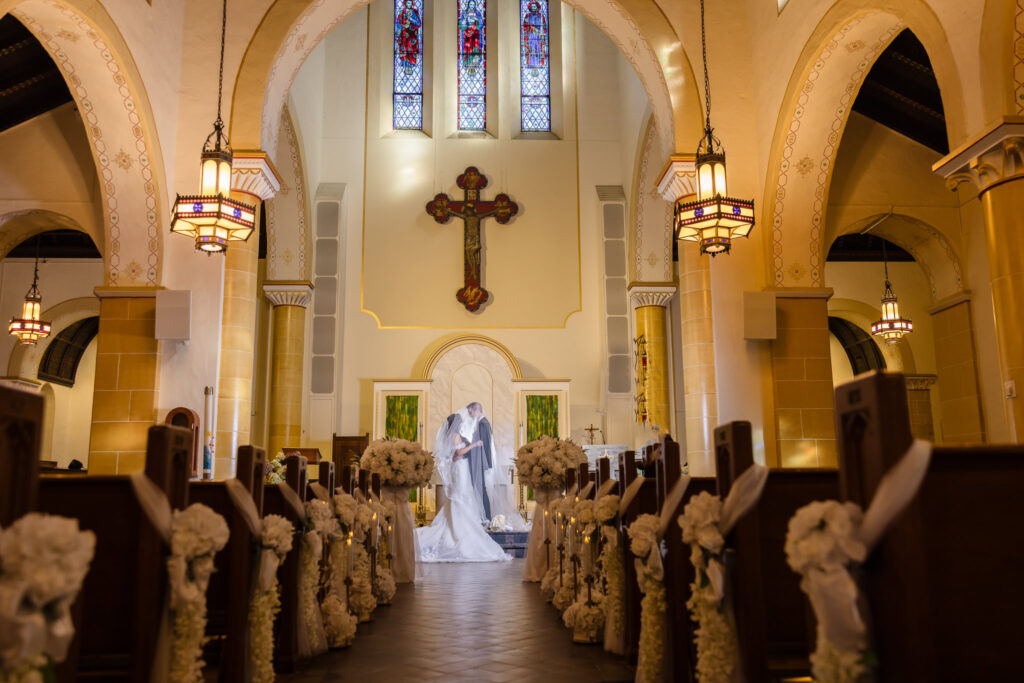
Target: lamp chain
707	81
885	263
35	275
220	76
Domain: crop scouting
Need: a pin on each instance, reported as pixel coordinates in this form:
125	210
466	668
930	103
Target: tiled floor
467	622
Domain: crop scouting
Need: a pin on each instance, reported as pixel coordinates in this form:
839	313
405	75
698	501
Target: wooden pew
346	479
646	502
232	584
21	424
774	623
583	477
604	473
287	657
679	650
570	481
944	584
375	485
117	614
326	479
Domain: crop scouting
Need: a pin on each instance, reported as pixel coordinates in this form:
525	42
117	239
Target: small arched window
408	54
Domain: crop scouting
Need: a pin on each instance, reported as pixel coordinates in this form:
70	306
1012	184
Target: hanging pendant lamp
713	219
892	326
211	217
29	328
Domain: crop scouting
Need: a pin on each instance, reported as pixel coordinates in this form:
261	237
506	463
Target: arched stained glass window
535	65
408	93
472	64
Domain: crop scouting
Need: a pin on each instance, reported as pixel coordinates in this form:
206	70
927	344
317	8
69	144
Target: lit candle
544	522
587	559
558	529
351	553
376	529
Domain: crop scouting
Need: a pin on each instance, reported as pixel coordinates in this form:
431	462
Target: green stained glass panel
541	417
401	419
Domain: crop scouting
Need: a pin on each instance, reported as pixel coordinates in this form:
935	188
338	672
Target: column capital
254	174
991	157
288	293
920	382
648	294
679	178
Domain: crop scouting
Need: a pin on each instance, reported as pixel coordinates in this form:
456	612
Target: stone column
127	379
253	180
286	357
919	403
649	303
994	163
678	182
802	378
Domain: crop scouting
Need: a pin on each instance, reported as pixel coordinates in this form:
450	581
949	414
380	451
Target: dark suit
480	461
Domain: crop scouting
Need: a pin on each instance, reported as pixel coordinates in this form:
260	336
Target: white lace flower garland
361	597
822	546
276	541
43	562
339	624
197	535
643	534
613	573
715	637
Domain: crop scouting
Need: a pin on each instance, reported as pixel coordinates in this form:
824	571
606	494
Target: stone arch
898	357
292	28
931	250
816	107
18	226
87	47
24	360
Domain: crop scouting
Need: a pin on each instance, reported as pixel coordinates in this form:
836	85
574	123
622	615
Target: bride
456	535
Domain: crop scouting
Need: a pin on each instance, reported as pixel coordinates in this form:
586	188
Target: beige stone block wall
698	351
959	392
127	378
802	374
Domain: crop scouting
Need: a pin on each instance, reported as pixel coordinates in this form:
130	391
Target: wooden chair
287	658
774	623
346	450
232	584
117	614
645	502
21	425
944	584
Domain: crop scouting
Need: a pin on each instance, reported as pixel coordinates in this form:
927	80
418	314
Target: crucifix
471	210
593	430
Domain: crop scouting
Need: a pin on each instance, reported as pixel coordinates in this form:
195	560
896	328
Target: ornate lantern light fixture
211	217
713	219
892	326
29	328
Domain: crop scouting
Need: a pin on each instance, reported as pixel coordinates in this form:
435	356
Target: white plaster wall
72	414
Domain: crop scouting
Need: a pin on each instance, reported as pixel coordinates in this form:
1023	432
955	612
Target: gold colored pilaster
287	354
652	326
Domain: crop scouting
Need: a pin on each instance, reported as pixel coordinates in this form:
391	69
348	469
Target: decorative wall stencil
109	110
653	215
287	231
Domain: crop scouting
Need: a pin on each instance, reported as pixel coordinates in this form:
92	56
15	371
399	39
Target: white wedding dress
456	535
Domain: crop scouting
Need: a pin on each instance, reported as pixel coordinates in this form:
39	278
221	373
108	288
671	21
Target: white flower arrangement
339	625
643	535
309	584
43	562
498	524
345	507
586	519
606	509
717	650
398	462
542	464
822	546
364	517
643	542
614	575
549	584
362	600
276	470
586	619
276	538
320	518
197	534
565	594
384	586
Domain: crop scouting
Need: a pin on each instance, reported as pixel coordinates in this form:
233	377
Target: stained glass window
535	65
408	93
472	64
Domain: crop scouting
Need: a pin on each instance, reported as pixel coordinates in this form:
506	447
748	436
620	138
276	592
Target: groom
480	456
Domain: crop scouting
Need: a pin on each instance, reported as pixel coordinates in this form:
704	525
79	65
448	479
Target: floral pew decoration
339	623
541	465
825	543
613	574
401	465
321	525
362	600
384	586
554	546
43	562
276	470
585	616
644	544
275	543
705	523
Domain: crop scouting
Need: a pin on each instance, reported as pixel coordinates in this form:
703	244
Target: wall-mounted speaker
174	314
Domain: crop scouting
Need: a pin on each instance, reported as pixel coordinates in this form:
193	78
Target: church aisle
467	622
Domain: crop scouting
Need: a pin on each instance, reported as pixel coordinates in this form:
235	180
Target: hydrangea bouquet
542	464
398	462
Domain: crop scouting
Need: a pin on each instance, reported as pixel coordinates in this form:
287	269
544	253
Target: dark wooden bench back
346	479
117	614
774	623
21	437
943	585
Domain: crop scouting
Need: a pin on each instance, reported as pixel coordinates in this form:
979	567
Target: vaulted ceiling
901	92
30	83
